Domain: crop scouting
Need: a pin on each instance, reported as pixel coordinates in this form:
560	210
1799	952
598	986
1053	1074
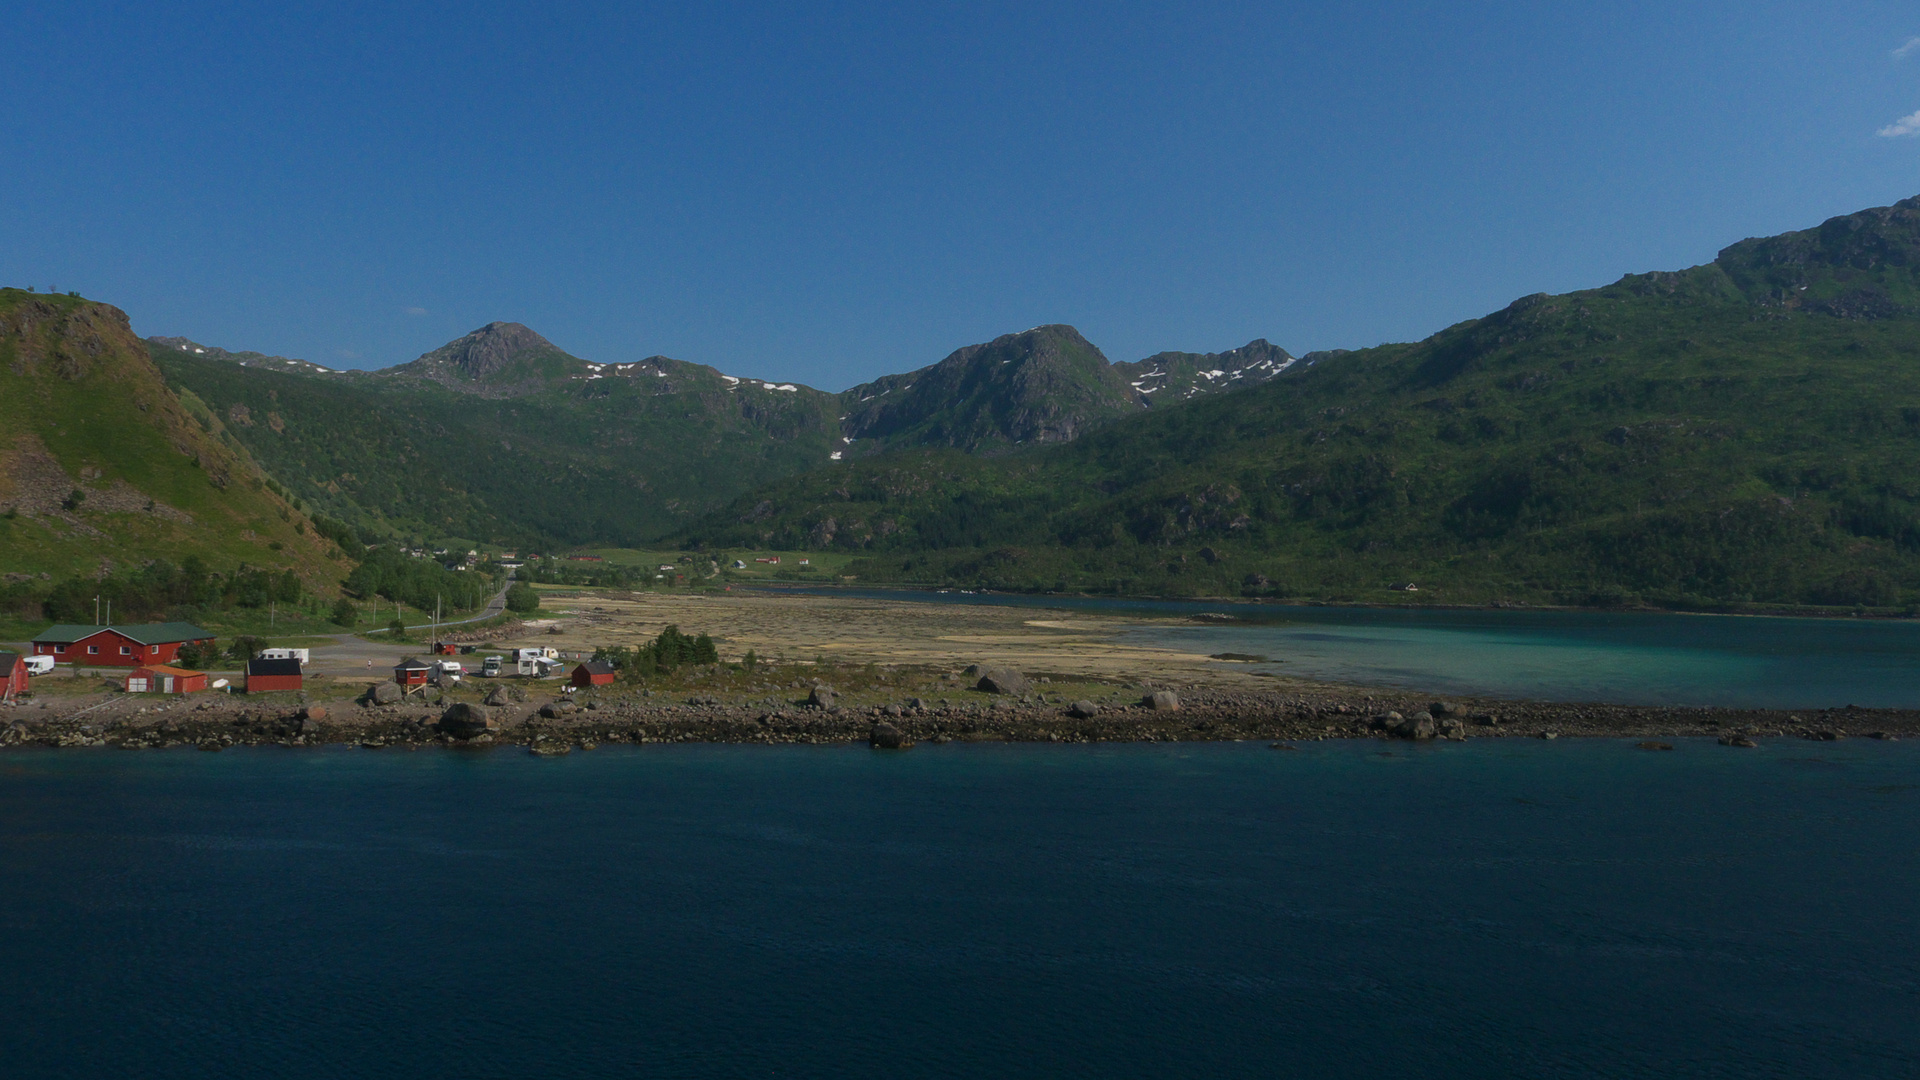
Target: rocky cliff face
1856	266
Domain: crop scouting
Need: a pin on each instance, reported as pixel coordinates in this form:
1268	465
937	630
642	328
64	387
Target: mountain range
1741	431
501	435
1738	432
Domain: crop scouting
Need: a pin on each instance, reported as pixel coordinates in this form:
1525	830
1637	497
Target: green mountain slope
102	467
1745	430
500	436
1047	385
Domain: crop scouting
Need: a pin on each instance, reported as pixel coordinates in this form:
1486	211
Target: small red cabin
411	672
161	679
446	648
267	675
13	675
593	673
119	646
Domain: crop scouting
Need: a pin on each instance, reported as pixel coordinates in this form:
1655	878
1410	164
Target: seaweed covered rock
885	736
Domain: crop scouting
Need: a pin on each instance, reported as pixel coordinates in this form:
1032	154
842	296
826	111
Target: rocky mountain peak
489	350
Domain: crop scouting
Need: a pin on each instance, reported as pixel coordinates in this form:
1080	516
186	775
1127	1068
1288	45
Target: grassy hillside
1740	432
103	468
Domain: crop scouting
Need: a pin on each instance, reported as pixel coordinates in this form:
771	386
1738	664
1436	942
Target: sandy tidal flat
869	630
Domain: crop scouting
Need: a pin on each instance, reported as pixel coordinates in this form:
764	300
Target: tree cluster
663	655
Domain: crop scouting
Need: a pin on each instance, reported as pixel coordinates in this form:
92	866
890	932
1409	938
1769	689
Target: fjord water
1499	908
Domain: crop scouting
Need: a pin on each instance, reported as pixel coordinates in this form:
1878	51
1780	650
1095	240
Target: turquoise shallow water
1633	658
1487	909
1640	659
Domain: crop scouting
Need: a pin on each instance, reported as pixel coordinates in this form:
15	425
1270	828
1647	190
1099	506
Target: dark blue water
1634	658
1492	909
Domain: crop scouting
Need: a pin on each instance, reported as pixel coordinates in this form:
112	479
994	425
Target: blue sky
831	192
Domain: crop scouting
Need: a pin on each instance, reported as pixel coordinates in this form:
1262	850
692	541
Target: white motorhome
303	655
536	654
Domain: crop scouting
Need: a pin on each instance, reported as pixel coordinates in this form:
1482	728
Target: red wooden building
13	667
446	648
267	675
161	679
593	673
411	672
121	646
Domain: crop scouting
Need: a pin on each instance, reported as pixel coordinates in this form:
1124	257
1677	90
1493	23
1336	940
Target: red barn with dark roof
593	673
13	667
118	646
268	675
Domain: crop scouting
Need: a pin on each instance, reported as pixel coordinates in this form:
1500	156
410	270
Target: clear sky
829	192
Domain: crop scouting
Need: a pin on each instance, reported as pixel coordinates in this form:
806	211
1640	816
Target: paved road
355	655
494	607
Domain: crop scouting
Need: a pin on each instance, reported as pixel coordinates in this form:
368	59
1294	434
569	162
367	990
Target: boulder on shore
314	712
1083	710
885	736
505	695
1417	726
464	721
384	693
1002	680
1162	701
822	697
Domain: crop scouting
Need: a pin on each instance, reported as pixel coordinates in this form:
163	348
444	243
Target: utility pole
109	621
96	612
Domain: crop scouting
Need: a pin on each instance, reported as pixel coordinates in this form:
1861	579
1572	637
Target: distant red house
161	679
446	648
593	673
122	646
411	672
14	667
267	675
585	558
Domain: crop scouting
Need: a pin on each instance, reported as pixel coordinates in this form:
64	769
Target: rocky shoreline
558	725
